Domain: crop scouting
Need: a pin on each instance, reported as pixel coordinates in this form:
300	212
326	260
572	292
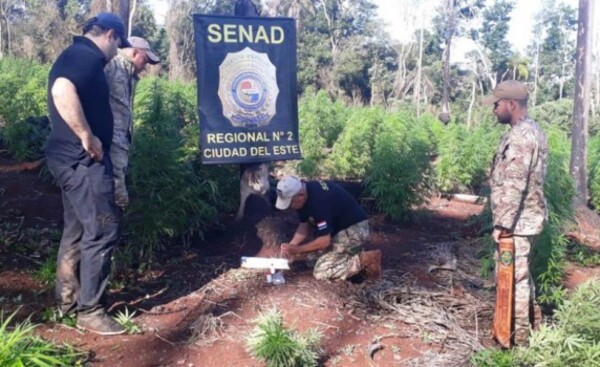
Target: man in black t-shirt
77	155
339	224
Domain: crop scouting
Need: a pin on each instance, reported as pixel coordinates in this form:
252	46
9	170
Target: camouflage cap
509	89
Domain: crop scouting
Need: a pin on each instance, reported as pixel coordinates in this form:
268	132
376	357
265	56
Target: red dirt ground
204	282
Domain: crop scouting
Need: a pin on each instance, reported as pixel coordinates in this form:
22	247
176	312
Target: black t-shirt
329	208
82	63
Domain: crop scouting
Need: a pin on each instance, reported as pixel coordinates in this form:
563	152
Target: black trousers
89	233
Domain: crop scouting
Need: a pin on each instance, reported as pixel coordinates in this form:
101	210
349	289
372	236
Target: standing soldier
339	225
122	74
517	197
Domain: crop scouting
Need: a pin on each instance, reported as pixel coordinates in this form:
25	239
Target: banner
247	93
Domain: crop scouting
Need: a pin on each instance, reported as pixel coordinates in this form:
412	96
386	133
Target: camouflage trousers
524	288
120	159
341	261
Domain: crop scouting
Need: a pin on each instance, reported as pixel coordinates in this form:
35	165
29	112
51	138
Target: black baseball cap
109	21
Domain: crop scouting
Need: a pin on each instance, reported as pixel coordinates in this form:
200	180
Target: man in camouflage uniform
339	224
517	197
122	74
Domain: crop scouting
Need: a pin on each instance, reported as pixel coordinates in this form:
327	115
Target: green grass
46	273
125	319
19	347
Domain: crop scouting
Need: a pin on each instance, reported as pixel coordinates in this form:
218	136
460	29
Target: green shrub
173	196
20	348
22	89
555	114
465	156
321	122
25	139
594	170
281	347
351	155
401	177
574	338
493	358
548	256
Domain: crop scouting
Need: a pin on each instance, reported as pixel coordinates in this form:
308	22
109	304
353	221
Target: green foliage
401	177
351	155
172	195
23	92
583	255
556	114
321	122
22	89
125	319
25	139
573	340
54	314
594	170
464	156
19	347
494	29
281	347
46	273
548	257
555	32
493	358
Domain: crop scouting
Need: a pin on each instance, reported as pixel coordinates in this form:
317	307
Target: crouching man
339	225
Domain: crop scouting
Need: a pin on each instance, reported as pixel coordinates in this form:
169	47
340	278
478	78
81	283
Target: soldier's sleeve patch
322	225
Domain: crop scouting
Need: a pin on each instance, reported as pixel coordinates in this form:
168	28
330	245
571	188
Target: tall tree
493	34
451	21
556	25
181	33
124	14
578	164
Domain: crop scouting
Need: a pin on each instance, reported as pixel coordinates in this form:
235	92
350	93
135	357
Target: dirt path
196	307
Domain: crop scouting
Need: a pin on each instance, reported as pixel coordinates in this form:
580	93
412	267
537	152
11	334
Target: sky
519	34
391	12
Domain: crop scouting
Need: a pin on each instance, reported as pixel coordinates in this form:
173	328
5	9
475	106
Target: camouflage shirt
517	179
121	81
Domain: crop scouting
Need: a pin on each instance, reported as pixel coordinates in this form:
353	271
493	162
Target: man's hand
92	145
288	250
500	232
496	234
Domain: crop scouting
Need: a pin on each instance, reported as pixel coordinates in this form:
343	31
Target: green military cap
509	89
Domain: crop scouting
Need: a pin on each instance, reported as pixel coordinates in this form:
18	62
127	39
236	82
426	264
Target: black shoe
99	322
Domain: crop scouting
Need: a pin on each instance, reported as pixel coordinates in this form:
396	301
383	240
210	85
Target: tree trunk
417	84
1	38
471	104
8	37
131	15
124	13
444	116
579	135
537	72
109	6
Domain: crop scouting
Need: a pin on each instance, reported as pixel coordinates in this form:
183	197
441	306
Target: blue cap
109	21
